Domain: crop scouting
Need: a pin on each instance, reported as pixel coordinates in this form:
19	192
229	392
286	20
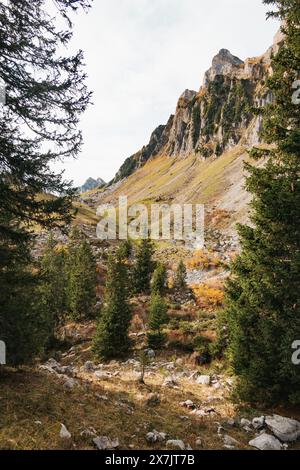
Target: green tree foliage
125	250
159	280
263	297
45	96
111	338
54	281
158	316
25	324
180	276
82	277
144	267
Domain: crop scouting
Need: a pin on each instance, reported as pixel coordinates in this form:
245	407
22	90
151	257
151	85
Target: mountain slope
197	157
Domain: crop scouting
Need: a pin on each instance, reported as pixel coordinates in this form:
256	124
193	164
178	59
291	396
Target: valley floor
107	400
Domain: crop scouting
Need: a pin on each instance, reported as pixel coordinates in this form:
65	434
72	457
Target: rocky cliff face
217	117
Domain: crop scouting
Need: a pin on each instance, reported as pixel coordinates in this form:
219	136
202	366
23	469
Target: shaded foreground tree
263	296
25	321
45	96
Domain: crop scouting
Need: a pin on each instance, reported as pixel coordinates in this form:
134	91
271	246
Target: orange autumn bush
203	260
208	297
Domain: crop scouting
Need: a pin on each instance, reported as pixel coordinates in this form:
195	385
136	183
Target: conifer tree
82	277
263	297
159	280
125	249
144	267
25	324
111	338
180	276
54	281
45	94
158	316
158	312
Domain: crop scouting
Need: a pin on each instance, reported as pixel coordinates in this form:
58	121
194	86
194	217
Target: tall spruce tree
263	296
111	338
180	276
144	267
45	96
54	281
158	316
25	323
159	279
81	277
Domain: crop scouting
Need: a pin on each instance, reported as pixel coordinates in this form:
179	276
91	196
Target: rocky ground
71	402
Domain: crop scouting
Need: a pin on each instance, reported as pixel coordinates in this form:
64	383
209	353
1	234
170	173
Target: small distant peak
92	183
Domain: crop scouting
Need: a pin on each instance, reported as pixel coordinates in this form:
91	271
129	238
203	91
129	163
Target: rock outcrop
218	116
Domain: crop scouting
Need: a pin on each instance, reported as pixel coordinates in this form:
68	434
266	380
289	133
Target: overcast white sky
141	55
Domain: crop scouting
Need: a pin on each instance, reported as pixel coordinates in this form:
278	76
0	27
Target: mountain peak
92	183
224	63
188	95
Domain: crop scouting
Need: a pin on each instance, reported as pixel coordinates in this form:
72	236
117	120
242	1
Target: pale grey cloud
141	55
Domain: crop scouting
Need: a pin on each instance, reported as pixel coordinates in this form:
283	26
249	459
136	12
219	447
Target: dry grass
29	398
33	404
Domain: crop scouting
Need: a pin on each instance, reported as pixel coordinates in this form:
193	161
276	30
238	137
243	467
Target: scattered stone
64	433
245	422
170	383
188	404
113	363
199	442
231	422
52	363
90	432
258	423
101	397
266	442
155	436
105	443
176	444
286	429
69	383
203	380
89	367
203	412
220	430
150	353
230	441
100	374
246	425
